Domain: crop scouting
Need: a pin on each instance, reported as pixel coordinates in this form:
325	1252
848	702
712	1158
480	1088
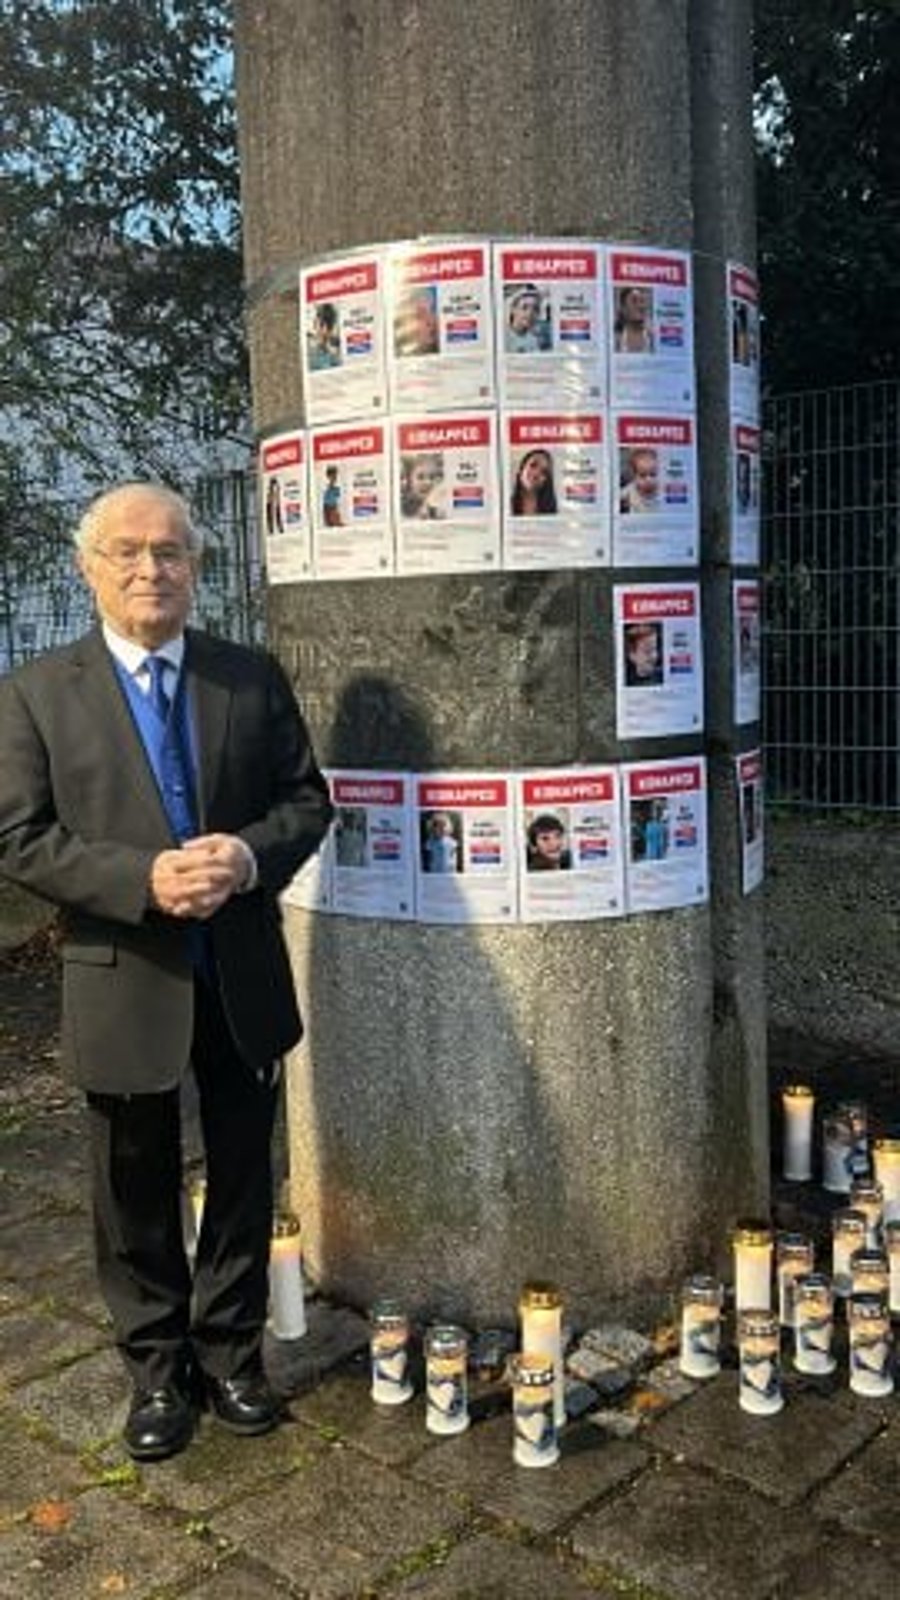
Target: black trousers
162	1314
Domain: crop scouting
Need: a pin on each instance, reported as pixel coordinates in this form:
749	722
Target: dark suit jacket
81	820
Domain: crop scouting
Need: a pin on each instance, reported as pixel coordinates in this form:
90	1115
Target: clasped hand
195	880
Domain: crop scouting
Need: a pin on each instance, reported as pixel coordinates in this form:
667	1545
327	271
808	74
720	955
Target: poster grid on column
666	832
342	337
555	491
283	504
651	316
446	494
656	517
745	494
659	662
465	858
440	325
747	649
350	493
570	845
743	342
373	871
751	815
550	319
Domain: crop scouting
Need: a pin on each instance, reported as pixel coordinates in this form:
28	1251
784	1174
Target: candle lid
537	1296
388	1311
531	1370
849	1218
704	1287
869	1260
887	1145
866	1189
799	1091
812	1283
867	1307
446	1339
752	1231
788	1242
285	1225
756	1321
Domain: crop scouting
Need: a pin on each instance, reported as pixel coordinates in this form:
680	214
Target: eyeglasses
128	557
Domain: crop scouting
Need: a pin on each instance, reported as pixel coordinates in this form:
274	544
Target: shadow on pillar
439	1166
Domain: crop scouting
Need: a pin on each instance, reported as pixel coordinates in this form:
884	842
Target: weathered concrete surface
472	1106
833	931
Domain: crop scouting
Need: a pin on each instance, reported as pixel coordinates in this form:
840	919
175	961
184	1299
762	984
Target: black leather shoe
245	1404
160	1423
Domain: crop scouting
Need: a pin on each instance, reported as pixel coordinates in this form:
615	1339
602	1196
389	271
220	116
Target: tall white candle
287	1311
752	1243
797	1103
540	1310
886	1157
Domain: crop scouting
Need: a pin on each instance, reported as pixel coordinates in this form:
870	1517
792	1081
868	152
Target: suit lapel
96	680
210	691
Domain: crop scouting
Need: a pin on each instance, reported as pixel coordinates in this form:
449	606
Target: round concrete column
477	1105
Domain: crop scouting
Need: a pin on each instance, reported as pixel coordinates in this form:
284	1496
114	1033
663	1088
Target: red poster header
359	278
549	263
449	433
555	430
659	603
282	453
368	791
654	430
663	780
568	791
632	268
349	442
473	794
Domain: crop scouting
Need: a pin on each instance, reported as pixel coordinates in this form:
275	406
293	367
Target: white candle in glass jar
752	1244
287	1311
389	1347
837	1153
797	1102
886	1161
701	1327
867	1196
793	1259
813	1324
540	1311
848	1234
760	1362
446	1393
870	1346
534	1429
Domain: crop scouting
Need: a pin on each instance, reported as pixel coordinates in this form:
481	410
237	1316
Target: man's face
140	570
548	843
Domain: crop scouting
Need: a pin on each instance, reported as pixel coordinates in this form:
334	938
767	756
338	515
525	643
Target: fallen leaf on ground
51	1516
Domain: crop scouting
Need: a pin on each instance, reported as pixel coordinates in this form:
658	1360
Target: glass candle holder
752	1246
867	1196
892	1247
447	1408
848	1233
793	1260
869	1272
287	1312
759	1352
797	1102
857	1114
701	1327
870	1346
389	1344
540	1313
837	1153
813	1324
535	1442
886	1164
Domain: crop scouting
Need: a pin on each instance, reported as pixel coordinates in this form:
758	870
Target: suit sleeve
39	848
298	812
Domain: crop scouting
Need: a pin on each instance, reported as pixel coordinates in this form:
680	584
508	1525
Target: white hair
102	511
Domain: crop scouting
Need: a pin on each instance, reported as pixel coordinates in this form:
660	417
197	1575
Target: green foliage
121	272
828	181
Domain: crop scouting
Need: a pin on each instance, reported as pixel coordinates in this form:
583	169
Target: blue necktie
159	699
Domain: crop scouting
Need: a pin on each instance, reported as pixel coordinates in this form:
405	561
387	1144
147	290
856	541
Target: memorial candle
540	1310
867	1196
892	1245
287	1312
848	1233
752	1243
869	1272
535	1442
794	1258
797	1102
701	1327
870	1346
886	1160
389	1350
837	1153
760	1362
813	1324
445	1380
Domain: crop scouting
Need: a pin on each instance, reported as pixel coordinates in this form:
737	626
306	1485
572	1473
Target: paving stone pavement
348	1501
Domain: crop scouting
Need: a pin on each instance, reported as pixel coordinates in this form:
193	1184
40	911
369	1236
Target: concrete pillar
475	1106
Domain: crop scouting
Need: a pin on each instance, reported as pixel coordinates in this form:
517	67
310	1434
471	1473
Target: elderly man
158	785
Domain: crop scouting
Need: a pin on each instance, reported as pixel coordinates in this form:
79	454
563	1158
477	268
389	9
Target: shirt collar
132	656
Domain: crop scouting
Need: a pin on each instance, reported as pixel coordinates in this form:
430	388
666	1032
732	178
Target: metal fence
43	602
831	561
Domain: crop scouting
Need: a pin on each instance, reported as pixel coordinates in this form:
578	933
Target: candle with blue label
447	1409
813	1324
535	1442
701	1326
760	1362
389	1344
870	1346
